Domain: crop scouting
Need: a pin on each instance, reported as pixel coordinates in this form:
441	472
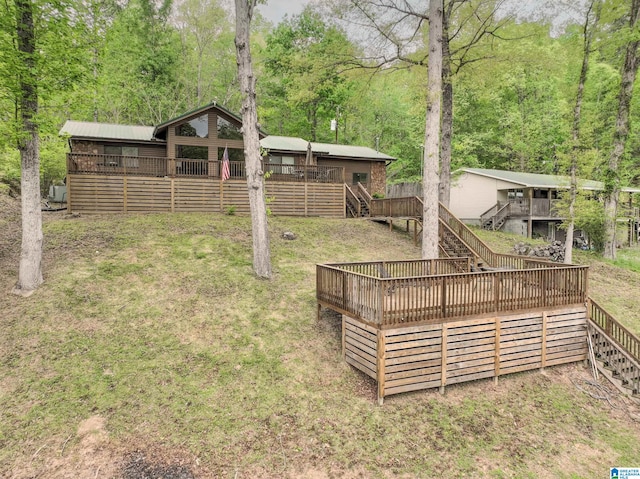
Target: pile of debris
553	251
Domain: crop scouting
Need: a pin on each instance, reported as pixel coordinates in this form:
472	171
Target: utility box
57	194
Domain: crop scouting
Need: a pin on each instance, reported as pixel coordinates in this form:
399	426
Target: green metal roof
107	131
536	180
293	144
284	143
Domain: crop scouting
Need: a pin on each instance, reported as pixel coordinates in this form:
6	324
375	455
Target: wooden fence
384	301
435	355
126	194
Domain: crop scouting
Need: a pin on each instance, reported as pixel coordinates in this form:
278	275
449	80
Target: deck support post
381	359
344	337
496	363
543	360
443	364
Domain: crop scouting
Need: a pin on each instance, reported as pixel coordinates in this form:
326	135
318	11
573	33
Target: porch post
530	220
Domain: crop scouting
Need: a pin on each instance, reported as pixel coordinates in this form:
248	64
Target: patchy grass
155	325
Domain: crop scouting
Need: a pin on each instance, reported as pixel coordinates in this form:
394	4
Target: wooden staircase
616	350
495	217
358	201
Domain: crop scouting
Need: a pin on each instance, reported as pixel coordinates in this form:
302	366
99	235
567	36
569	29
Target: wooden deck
428	323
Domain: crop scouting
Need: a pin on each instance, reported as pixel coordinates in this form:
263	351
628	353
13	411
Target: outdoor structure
176	166
470	314
522	203
422	324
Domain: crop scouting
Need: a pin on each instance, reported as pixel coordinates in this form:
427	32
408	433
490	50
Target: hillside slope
152	351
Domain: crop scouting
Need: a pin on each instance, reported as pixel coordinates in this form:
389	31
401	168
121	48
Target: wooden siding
435	355
127	194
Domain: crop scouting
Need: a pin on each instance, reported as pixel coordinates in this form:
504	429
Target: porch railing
81	163
362	291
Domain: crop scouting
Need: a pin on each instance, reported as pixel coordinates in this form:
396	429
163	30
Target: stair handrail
492	258
364	194
352	199
487	215
625	339
475	255
500	215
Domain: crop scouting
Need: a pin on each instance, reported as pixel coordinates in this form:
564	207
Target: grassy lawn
152	341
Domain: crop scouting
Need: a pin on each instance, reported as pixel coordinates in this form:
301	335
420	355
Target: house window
192	152
359	178
121	156
227	130
286	164
197	127
513	194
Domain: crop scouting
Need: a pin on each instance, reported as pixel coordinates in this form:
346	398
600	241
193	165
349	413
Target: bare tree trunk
30	273
447	114
587	35
621	134
255	175
432	133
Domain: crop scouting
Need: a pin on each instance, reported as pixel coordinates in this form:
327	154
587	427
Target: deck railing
397	207
616	331
81	163
362	291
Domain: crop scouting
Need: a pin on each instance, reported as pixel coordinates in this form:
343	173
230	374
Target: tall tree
202	24
621	133
302	59
250	135
432	133
30	273
396	27
591	20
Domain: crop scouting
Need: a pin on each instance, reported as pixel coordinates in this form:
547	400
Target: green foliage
302	90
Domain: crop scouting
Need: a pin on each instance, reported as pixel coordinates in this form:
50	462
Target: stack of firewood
554	251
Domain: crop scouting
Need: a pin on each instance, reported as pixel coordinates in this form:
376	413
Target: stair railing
489	214
441	233
624	338
352	201
364	195
500	216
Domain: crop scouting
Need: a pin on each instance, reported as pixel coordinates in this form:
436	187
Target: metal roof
293	144
87	129
284	143
537	180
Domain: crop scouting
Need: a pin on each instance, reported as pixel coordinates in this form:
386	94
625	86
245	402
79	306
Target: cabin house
177	166
520	203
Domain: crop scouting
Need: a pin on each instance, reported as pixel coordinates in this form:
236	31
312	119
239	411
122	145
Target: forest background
146	61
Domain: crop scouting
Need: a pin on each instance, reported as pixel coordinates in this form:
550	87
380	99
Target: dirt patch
137	466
